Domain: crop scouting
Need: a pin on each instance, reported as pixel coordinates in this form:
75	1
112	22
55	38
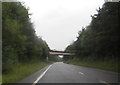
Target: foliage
23	70
55	58
99	40
20	43
105	65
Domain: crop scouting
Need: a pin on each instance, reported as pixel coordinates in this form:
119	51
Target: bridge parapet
60	53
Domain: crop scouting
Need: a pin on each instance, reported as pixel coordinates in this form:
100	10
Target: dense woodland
99	40
19	41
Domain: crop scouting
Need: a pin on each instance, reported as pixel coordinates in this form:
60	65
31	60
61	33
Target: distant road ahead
65	73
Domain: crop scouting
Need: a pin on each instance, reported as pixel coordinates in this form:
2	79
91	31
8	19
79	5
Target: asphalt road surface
65	73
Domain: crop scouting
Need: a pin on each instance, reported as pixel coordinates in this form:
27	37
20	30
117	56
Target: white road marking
41	75
81	73
103	82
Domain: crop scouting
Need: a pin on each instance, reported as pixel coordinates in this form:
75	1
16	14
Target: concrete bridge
51	52
60	53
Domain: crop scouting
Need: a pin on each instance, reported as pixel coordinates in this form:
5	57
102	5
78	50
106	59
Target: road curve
60	72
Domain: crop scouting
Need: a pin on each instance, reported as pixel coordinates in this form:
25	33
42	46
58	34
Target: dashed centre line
81	73
101	81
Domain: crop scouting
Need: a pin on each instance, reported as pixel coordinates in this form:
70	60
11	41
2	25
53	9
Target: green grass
23	70
106	65
0	78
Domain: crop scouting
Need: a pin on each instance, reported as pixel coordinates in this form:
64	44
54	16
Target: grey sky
58	21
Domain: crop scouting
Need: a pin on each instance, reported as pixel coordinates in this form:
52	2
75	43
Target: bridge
51	52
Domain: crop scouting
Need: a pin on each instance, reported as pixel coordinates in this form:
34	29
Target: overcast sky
58	21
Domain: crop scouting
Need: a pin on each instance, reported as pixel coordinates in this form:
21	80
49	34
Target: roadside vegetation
23	52
23	70
97	44
110	65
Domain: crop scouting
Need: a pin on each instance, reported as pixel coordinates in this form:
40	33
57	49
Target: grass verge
23	70
105	65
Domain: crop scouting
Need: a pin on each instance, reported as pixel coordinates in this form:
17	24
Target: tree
100	39
20	43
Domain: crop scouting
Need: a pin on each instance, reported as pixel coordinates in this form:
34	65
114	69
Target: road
65	73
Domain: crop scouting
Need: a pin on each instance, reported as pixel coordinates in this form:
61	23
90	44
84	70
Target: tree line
99	40
19	41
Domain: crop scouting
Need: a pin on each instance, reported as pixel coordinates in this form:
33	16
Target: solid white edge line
41	75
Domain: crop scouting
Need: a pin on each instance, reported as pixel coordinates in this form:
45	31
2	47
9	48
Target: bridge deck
60	53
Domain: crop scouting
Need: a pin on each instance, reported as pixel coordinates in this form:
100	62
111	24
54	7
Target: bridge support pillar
47	58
